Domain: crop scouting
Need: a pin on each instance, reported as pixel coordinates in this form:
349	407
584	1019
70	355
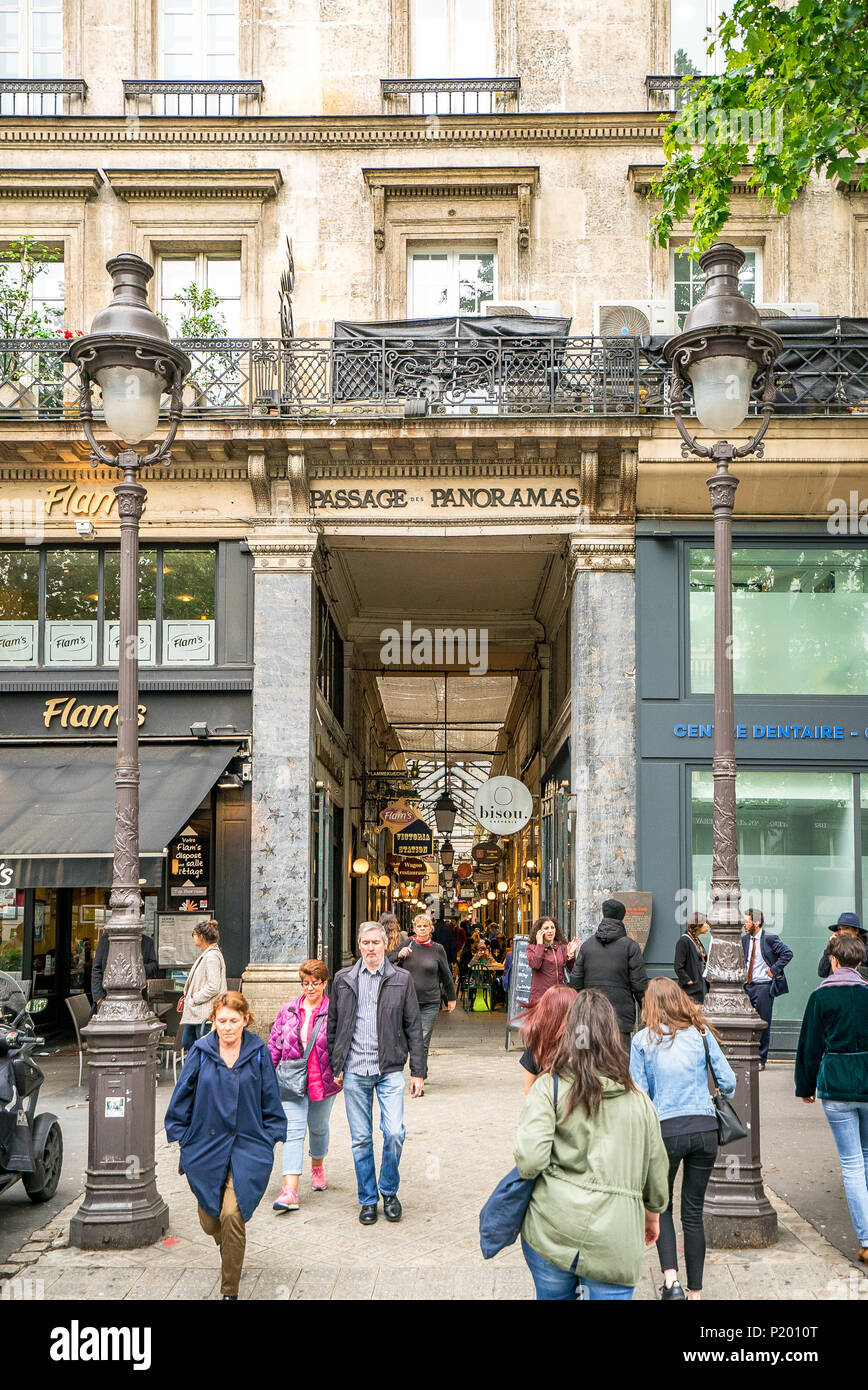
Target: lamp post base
755	1231
108	1228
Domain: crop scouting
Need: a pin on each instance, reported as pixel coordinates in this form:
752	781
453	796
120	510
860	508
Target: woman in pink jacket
548	954
288	1039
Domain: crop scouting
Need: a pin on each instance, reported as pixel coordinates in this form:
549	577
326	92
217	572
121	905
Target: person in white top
205	983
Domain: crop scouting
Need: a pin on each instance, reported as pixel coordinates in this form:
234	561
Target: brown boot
863	1255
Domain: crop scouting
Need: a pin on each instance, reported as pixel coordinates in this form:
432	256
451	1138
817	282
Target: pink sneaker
287	1200
318	1177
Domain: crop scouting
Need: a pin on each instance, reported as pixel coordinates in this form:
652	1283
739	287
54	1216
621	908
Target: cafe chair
477	998
79	1008
168	1047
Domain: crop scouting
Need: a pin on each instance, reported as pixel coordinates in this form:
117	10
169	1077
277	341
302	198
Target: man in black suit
766	957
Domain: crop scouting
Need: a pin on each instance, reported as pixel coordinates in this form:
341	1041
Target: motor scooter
31	1145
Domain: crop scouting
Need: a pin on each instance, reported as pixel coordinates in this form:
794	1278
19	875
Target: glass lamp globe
131	397
721	391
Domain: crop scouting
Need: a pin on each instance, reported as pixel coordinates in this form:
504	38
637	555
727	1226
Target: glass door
45	939
87	919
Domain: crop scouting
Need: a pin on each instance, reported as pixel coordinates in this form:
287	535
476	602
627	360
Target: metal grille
159	98
41	96
449	96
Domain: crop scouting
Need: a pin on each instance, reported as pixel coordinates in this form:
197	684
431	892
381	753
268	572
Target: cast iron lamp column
128	355
725	354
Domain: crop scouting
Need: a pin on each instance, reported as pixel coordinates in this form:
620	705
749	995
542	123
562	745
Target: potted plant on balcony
21	368
213	379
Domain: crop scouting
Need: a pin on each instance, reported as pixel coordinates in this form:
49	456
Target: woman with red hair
542	1028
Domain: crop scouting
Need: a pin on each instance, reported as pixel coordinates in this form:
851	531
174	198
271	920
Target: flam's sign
396	815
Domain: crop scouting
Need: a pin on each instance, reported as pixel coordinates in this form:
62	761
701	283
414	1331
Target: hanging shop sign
411	870
416	839
396	816
464	869
486	854
503	805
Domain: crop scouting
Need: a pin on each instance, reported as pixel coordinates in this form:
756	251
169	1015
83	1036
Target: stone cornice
451	182
588	553
325	132
49	183
130	184
641	176
287	551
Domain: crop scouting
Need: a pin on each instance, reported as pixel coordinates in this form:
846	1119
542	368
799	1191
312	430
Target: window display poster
175	937
190	862
38	921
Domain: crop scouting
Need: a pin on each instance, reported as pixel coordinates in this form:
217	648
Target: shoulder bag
292	1072
501	1217
729	1126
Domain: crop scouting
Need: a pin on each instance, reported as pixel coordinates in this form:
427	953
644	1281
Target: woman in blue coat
227	1116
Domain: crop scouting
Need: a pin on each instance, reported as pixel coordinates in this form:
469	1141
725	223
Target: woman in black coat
690	959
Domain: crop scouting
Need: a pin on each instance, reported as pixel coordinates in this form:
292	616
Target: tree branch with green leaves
792	103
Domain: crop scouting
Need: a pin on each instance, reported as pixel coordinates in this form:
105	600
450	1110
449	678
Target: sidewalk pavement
459	1143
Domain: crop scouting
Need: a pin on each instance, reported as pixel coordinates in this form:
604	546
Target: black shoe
229	1298
392	1207
674	1291
368	1215
762	1066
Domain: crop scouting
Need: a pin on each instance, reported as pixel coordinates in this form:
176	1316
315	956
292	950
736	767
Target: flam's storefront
57	755
800	652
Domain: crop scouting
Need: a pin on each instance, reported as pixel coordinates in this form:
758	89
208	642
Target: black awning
57	808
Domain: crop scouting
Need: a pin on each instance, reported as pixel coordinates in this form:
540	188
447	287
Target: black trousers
697	1152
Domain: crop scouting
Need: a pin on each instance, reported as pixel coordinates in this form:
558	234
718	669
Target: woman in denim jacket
667	1060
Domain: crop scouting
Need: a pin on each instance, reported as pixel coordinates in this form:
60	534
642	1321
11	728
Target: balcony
325	378
42	96
665	93
154	97
449	96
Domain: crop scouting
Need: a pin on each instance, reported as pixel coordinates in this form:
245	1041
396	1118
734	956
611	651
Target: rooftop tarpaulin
57	808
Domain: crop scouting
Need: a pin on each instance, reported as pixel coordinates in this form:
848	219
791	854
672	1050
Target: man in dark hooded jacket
612	962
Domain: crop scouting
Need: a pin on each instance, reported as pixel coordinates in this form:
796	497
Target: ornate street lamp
727	355
128	355
447	853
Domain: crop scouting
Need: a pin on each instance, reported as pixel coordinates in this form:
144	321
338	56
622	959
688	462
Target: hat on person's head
613	908
847	919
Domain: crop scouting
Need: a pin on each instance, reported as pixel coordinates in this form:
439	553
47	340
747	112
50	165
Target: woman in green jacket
600	1164
832	1062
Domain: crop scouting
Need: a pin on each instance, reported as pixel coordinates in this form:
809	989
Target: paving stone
315	1282
81	1284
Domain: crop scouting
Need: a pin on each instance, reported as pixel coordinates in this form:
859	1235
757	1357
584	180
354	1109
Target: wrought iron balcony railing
306	378
42	96
153	97
449	96
666	92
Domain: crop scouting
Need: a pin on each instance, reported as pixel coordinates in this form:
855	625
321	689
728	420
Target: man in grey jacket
373	1022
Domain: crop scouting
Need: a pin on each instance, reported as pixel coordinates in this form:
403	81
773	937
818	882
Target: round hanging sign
503	805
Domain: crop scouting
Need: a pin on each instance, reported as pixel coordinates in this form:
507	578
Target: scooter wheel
41	1184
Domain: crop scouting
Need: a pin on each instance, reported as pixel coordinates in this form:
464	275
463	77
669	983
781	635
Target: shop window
44	943
219	273
688	282
448	280
188	607
31	39
799	621
199	40
452	38
796	860
12	931
19	607
80	614
329	659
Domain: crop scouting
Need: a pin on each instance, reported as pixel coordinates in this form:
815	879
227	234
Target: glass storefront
12	931
799	620
796	846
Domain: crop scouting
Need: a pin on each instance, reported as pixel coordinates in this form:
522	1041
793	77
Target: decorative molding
337	132
590	468
257	472
292	554
641	176
588	554
50	183
130	184
629	476
492	182
850	187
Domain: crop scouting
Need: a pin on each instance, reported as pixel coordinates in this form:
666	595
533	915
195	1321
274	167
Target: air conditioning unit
523	308
631	318
788	311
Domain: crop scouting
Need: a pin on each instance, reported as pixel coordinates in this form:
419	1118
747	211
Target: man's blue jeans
760	996
848	1121
359	1099
552	1283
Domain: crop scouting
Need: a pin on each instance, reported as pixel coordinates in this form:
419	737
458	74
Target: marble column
283	744
603	716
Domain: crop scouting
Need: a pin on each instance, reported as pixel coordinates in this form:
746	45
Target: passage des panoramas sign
414	839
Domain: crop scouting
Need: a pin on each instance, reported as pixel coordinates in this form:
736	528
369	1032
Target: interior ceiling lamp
383	881
447	853
445	809
491	895
360	867
502	886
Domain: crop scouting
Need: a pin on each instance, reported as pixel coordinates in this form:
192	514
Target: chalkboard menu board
519	986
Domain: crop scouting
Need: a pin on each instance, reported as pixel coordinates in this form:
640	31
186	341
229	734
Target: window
40	268
329	658
450	280
799	621
796	859
199	40
688	281
79	615
452	38
690	22
219	273
31	39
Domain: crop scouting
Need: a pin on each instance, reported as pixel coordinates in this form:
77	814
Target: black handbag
729	1126
292	1072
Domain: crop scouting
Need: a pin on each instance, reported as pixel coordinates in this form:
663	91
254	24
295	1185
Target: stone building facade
306	162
